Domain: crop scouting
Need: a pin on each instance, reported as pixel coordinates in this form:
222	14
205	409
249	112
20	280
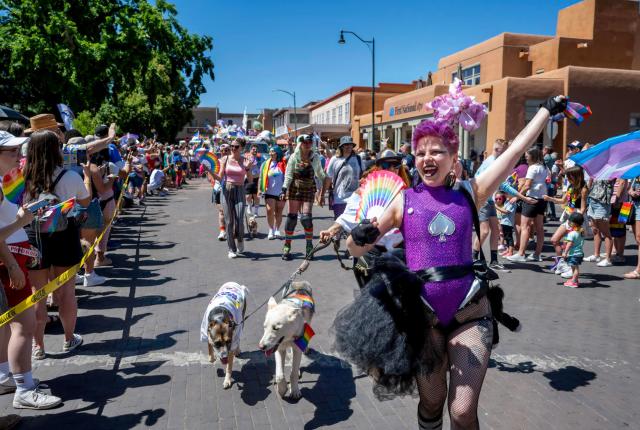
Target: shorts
271	196
507	232
519	206
135	181
16	296
215	196
251	187
94	219
531	211
575	260
598	211
487	211
60	249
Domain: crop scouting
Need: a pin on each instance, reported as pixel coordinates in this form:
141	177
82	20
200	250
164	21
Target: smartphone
34	207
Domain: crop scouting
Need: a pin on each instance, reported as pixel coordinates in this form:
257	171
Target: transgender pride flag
616	157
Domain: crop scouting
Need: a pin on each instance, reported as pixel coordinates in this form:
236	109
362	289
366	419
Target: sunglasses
235	146
389	165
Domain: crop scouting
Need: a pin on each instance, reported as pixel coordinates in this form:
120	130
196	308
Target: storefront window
470	75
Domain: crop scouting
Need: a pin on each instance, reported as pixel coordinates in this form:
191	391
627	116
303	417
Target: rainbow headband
303	341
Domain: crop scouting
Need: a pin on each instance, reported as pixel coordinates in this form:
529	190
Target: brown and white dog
252	226
222	325
284	323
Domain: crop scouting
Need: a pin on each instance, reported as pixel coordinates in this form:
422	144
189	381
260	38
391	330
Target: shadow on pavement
70	419
569	378
124	302
331	393
564	379
128	346
255	377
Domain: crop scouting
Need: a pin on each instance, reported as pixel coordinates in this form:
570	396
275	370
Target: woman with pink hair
414	323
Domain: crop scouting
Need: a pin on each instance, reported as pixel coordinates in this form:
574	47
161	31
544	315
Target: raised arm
489	180
100	144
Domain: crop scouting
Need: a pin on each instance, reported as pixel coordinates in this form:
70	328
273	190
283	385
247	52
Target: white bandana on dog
231	297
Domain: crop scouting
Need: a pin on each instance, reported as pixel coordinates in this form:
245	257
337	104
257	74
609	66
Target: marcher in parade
598	213
270	186
344	172
251	188
299	187
434	217
234	170
634	195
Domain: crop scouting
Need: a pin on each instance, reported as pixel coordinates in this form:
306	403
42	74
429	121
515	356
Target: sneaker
35	399
593	259
618	259
92	279
571	284
222	236
604	263
106	261
270	236
70	345
232	254
517	258
286	252
534	257
496	266
567	274
502	248
79	279
240	246
277	234
38	353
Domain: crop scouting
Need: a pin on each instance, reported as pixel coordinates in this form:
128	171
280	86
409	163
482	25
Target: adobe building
332	117
594	58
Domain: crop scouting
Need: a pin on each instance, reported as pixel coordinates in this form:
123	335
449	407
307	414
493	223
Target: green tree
127	61
85	122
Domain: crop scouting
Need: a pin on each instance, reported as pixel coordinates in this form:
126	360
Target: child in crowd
506	214
573	252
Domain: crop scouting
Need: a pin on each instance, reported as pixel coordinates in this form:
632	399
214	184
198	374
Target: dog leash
304	266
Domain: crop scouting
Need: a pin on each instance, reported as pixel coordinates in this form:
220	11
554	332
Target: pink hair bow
458	108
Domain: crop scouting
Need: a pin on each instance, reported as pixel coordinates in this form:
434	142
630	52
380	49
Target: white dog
222	325
285	323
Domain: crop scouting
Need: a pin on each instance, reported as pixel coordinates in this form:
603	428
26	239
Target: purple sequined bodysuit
437	227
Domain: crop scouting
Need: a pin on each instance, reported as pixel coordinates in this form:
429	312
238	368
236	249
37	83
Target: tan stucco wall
577	20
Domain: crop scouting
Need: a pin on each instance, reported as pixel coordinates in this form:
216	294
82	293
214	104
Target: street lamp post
372	47
295	111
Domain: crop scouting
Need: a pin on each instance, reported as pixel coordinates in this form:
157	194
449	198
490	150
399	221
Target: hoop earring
450	179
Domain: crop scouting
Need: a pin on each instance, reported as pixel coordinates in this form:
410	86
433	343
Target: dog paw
282	387
294	394
226	384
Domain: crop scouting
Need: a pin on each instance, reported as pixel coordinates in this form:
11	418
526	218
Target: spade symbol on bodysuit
441	225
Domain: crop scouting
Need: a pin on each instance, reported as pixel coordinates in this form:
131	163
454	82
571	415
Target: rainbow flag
264	176
625	211
577	112
50	218
13	186
513	179
303	341
304	300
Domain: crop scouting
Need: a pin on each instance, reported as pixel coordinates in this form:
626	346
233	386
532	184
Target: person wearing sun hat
344	173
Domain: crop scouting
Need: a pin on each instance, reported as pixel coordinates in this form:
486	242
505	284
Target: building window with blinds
347	113
340	115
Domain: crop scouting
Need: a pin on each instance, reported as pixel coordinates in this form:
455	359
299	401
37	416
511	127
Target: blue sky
262	45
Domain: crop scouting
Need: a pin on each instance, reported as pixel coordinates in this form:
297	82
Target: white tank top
8	213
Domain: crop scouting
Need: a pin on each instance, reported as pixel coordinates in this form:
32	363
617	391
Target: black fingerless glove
365	233
555	105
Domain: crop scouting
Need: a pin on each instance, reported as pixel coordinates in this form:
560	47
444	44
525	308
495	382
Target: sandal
634	274
38	353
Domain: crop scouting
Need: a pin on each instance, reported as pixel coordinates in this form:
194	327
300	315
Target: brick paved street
574	366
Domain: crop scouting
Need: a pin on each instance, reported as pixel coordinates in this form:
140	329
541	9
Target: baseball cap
9	140
101	131
576	144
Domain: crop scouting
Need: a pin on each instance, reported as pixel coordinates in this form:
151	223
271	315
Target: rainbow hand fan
211	162
13	186
377	193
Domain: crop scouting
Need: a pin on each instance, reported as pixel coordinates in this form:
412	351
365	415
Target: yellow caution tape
63	278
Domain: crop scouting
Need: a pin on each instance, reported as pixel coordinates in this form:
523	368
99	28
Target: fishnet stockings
465	355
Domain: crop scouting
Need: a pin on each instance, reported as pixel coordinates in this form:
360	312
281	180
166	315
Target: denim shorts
575	260
487	211
598	210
